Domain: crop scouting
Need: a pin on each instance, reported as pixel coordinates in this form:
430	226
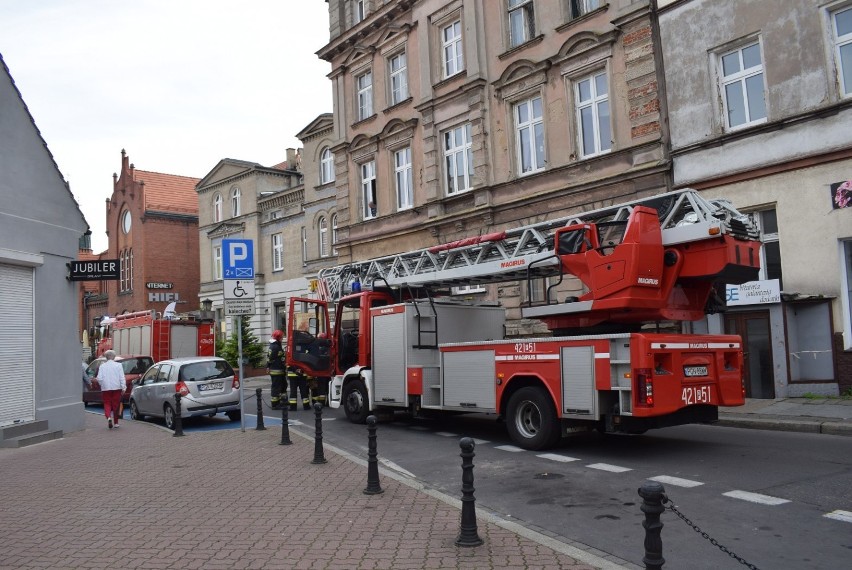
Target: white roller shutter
17	370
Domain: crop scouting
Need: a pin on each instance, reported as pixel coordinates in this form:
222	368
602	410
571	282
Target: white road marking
676	481
844	516
608	467
755	498
446	434
556	457
480	441
511	448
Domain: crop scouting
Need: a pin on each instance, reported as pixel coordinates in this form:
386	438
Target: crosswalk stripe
676	481
557	457
511	448
755	498
480	441
608	467
446	434
844	516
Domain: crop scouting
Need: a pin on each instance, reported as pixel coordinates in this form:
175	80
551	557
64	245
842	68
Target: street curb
775	424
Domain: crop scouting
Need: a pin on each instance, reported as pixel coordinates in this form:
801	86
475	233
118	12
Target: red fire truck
398	345
143	333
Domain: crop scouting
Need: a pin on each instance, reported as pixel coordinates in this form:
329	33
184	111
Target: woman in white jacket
113	383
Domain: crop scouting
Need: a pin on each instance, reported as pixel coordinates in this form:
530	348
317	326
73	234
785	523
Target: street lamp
206	305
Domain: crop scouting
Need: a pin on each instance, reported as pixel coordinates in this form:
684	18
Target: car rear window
136	365
199	371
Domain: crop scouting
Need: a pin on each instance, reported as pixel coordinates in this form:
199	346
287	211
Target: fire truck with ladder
146	333
398	345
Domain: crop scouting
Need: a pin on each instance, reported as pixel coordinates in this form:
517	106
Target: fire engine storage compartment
406	359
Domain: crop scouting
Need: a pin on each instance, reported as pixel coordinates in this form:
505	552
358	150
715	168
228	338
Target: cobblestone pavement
137	497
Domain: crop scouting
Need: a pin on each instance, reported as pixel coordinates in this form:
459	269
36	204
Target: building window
842	21
277	252
398	79
334	234
304	245
529	135
537	290
217	207
235	202
847	293
593	120
770	248
129	269
359	11
404	182
742	86
458	158
451	41
365	95
368	189
467	289
126	222
122	272
322	224
217	262
326	166
521	22
125	271
581	7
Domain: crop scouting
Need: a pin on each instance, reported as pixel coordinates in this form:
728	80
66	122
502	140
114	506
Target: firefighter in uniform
277	364
319	388
298	380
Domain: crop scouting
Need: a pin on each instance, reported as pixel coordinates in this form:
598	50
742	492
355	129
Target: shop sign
753	293
159	285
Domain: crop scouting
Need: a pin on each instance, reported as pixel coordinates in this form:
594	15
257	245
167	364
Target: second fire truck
397	345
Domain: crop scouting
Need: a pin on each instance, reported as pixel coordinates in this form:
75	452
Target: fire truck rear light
644	387
180	388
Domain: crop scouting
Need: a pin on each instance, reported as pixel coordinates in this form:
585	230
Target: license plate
210	386
696	395
691	371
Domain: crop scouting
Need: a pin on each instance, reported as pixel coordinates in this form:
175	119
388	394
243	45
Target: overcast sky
178	84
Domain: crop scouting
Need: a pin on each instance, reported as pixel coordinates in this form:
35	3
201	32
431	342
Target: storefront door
753	327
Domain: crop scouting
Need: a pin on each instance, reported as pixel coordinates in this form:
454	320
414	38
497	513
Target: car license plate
210	386
691	371
696	395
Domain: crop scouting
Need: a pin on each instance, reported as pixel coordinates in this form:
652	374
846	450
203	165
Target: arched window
334	234
326	166
217	207
323	237
235	202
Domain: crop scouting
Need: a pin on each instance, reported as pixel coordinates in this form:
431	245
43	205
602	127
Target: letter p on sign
239	252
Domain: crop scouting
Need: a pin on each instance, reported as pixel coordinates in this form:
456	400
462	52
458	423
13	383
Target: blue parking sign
237	258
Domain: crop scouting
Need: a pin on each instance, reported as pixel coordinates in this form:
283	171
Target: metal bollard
373	485
260	426
318	454
653	495
178	421
468	535
285	427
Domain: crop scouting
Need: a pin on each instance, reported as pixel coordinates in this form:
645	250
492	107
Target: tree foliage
254	351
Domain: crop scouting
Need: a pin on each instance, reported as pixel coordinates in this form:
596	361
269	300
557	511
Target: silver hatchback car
207	385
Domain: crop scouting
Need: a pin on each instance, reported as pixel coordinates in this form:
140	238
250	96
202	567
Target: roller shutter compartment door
17	370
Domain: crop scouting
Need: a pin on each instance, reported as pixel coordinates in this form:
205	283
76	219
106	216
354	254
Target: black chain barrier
712	540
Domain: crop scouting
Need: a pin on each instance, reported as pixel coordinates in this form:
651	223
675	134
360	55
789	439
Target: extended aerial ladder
645	260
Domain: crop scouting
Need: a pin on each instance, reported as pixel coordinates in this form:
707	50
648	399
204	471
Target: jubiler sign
95	270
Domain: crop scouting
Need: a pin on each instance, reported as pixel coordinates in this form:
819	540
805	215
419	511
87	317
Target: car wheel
356	403
234	415
531	420
169	416
134	411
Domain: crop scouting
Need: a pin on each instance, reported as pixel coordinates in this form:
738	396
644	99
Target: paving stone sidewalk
137	497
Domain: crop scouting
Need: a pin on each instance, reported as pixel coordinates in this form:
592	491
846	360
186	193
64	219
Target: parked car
207	385
134	367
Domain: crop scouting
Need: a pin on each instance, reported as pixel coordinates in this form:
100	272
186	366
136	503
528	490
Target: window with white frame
326	166
129	269
368	190
322	226
217	207
125	268
842	25
398	78
529	135
467	289
277	252
404	182
304	245
235	202
359	11
521	21
593	118
847	292
334	234
741	77
451	42
458	159
364	84
581	7
537	290
770	248
217	262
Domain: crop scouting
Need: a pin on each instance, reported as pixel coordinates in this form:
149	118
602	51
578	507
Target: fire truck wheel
355	401
531	420
134	411
169	416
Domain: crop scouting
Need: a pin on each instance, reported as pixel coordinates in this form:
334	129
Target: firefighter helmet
277	335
